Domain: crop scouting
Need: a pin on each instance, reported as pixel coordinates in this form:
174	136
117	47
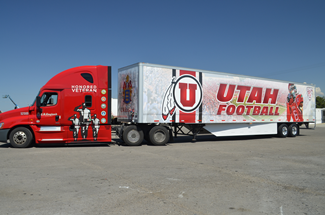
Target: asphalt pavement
236	175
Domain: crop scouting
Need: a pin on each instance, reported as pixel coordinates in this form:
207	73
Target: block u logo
187	94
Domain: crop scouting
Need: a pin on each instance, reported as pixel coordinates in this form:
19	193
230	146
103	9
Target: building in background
320	115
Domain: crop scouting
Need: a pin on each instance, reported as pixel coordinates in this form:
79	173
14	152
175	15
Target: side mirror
38	101
38	106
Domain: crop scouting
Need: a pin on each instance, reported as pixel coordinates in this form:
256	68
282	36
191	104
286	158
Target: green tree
320	102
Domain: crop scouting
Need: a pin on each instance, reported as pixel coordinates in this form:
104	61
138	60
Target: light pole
7	96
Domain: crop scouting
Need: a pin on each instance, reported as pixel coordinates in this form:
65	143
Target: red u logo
187	94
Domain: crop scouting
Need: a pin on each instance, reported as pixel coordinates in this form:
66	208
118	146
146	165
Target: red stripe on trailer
156	120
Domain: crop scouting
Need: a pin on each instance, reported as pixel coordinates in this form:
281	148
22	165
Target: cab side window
88	101
49	99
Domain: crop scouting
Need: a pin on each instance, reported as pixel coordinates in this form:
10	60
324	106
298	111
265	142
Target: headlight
1	125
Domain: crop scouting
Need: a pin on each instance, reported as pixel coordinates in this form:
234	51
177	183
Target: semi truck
155	103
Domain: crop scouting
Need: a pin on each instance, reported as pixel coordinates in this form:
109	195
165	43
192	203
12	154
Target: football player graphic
294	104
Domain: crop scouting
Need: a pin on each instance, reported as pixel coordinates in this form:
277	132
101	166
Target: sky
278	39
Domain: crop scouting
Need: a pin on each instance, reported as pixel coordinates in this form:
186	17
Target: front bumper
4	135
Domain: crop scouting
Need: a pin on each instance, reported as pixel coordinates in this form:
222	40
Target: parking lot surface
241	175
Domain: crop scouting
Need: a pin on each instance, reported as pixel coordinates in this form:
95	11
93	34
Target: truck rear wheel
283	130
159	135
21	137
132	135
293	130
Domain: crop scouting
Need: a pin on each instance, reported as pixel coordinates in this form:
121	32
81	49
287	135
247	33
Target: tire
159	135
293	130
21	137
283	130
132	135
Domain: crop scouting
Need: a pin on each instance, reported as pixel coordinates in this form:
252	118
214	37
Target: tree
320	102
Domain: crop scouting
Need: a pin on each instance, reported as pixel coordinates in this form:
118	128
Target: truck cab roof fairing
73	76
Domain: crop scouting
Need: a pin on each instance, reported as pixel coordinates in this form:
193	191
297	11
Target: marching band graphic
82	123
128	103
127	90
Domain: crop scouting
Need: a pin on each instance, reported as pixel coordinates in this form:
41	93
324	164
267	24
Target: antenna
7	96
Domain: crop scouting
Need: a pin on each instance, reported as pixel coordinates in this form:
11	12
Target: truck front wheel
132	135
159	135
21	137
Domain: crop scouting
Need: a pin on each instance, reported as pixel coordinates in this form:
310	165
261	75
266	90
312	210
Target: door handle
57	118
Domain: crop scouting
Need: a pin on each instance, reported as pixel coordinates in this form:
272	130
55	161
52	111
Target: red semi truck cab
72	107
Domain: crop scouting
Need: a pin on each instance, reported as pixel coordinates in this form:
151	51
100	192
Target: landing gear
192	130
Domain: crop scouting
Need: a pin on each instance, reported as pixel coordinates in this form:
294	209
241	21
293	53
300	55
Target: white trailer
153	99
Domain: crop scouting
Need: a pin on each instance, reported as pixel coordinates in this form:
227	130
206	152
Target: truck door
51	111
49	119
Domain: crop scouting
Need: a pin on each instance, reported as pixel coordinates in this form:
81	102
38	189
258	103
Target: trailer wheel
21	137
283	130
159	135
132	135
293	130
